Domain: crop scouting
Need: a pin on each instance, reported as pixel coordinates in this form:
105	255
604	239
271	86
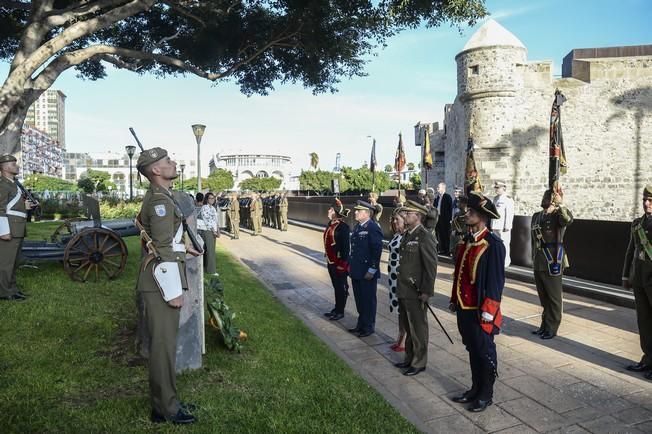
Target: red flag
399	160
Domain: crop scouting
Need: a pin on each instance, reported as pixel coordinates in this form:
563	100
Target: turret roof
490	34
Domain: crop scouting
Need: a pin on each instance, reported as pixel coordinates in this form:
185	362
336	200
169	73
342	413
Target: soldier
259	215
162	220
254	211
283	211
502	227
415	285
336	248
234	216
637	274
378	208
13	224
549	259
478	283
366	248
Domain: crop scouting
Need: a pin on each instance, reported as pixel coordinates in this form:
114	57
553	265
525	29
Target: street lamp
182	167
131	149
198	131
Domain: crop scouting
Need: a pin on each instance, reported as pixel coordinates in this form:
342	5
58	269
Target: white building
48	114
39	154
116	164
246	166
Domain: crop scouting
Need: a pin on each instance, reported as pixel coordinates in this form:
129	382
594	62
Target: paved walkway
574	383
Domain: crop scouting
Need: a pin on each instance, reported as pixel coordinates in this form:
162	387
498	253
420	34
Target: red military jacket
336	244
479	276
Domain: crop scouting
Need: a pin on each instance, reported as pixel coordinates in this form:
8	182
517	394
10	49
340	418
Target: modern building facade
48	114
39	154
246	166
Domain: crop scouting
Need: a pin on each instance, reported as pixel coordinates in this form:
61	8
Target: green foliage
121	209
388	168
415	180
190	184
50	183
319	181
86	185
221	316
99	181
260	184
360	180
410	166
60	209
219	180
314	160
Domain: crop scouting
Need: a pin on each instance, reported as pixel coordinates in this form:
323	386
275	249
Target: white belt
17	213
178	247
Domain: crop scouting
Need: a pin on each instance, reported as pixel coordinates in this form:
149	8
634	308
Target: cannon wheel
65	229
95	252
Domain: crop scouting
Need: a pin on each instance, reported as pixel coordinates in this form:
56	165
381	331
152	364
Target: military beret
362	205
150	156
412	206
422	192
7	158
430	190
480	203
647	191
498	184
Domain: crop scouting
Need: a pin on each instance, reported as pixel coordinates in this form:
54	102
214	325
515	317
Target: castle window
474	70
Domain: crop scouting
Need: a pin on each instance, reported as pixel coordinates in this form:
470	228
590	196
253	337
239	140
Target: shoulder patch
160	210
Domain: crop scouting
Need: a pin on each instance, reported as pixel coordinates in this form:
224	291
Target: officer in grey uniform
13	224
415	285
637	275
161	219
549	260
502	227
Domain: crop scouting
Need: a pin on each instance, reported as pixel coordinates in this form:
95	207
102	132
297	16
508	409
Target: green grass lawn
67	364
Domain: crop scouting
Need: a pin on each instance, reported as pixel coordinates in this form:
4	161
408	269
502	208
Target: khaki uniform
234	217
258	216
638	271
283	210
162	219
548	253
417	270
13	220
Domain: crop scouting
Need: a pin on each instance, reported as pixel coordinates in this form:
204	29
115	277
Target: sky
408	81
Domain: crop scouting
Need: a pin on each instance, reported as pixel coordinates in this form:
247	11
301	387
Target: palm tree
314	160
410	166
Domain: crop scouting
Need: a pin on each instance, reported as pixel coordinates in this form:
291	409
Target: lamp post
130	152
182	167
198	131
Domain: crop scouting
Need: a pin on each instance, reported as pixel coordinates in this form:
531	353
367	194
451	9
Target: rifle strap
645	242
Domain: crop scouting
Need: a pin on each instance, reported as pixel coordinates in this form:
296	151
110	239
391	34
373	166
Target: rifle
35	203
185	211
414	284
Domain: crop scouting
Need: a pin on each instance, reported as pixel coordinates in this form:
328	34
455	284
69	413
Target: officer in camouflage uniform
637	275
13	223
162	220
549	260
258	225
234	216
283	212
415	285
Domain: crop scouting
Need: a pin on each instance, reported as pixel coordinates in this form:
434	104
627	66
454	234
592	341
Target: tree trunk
11	124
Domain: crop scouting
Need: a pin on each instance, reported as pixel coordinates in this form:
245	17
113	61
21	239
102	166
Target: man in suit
637	275
364	261
549	259
415	285
444	204
502	227
478	283
13	224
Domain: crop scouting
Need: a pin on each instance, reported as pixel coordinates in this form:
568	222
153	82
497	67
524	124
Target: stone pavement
575	383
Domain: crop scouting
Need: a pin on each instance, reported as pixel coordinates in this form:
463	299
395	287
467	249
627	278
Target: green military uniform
417	270
549	260
234	216
162	220
637	271
258	220
283	212
13	221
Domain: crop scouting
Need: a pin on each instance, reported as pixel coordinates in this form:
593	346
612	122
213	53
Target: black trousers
341	287
443	230
482	353
364	292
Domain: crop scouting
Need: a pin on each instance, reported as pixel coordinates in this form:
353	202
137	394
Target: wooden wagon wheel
95	252
64	230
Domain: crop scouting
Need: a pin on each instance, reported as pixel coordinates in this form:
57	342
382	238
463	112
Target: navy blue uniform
366	248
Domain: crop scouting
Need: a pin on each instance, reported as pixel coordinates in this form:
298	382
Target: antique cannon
87	247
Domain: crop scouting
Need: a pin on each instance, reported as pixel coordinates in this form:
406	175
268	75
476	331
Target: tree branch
15	4
184	11
59	17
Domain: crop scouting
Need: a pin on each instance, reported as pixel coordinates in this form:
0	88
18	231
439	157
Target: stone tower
489	80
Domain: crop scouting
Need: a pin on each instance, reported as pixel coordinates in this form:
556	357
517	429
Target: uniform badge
160	210
153	154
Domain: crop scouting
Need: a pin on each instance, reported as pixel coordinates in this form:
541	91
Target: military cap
412	206
430	190
339	209
647	191
480	203
422	192
150	156
8	158
363	205
498	184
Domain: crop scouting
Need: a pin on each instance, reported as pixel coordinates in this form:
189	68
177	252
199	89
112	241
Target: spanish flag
427	154
399	160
